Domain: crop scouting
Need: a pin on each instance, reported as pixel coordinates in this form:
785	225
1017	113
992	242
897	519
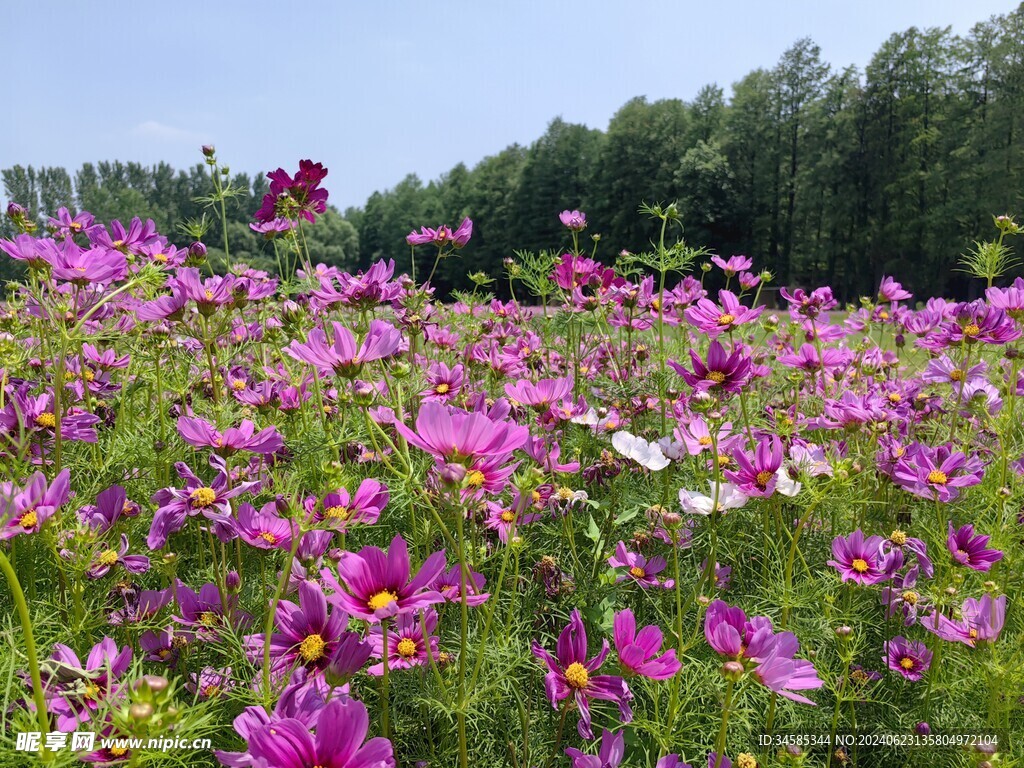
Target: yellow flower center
406	648
29	519
746	760
898	537
907	663
203	497
705	440
46	420
442	389
118	751
723	461
883	315
937	477
565	493
716	376
382	600
956	375
211	690
108	558
268	537
208	619
763	478
312	648
637	573
726	319
337	512
508	516
973	633
860	565
92	691
209	294
971	330
910	597
160	257
577	676
238	385
895	397
475	478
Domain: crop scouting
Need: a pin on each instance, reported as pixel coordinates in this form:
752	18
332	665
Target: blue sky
376	90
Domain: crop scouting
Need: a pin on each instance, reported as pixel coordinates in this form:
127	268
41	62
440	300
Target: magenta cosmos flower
638	651
613	750
307	635
540	395
74	697
721	373
908	657
340	510
731	634
936	473
570	673
970	549
25	510
859	559
757	475
265	529
342	355
734	265
641	570
377	585
407	646
715	320
341	728
202	434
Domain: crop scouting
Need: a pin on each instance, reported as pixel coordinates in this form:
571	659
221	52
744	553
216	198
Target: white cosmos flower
639	450
785	484
729	497
588	419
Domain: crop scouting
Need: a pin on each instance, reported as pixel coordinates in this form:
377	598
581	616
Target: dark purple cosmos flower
176	505
202	434
575	221
408	644
75	691
910	658
25	510
110	558
757	475
294	198
898	541
341	728
339	510
721	372
306	634
858	559
162	646
111	504
713	320
902	598
970	549
342	355
210	682
203	613
377	585
140	606
641	570
571	674
638	651
980	621
443	383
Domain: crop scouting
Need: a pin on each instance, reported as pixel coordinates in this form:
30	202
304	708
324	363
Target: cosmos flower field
632	517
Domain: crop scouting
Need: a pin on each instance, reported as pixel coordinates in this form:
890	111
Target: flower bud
732	671
922	728
844	631
141	711
208	150
233	581
452	474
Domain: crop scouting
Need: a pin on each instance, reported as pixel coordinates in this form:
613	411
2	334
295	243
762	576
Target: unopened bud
732	671
143	710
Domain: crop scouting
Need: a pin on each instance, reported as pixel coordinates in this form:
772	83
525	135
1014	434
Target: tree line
823	175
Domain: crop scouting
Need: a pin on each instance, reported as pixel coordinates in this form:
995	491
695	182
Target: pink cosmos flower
343	356
757	475
202	434
457	436
340	510
713	320
74	696
571	674
638	652
971	550
981	621
575	221
734	265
